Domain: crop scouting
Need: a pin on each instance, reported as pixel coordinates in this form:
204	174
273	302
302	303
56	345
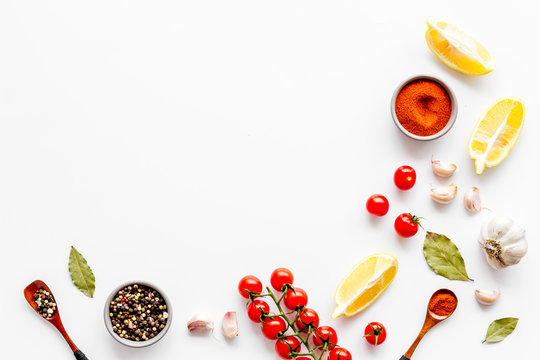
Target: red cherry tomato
339	354
281	277
325	334
405	177
406	225
295	298
377	205
287	346
251	284
256	309
273	327
307	319
375	333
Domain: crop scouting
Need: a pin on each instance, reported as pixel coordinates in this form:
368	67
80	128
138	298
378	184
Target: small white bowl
453	103
131	343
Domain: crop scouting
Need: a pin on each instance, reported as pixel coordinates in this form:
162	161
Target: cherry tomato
339	354
251	284
325	334
281	277
405	177
273	327
256	309
295	298
377	205
406	225
375	333
286	346
307	319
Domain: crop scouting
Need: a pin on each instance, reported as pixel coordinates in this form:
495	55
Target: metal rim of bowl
131	343
453	102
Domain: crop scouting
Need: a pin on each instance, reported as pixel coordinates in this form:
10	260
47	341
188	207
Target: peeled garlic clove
487	297
444	194
443	168
471	200
229	325
200	324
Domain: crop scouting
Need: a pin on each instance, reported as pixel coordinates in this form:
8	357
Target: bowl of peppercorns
137	314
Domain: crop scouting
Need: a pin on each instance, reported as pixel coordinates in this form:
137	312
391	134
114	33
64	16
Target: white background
189	143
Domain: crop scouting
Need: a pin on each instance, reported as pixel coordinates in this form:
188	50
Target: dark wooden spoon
29	292
430	321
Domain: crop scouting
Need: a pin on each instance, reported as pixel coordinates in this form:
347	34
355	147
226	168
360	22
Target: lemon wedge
364	284
496	133
457	49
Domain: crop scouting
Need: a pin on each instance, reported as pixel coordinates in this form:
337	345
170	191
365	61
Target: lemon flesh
496	133
458	50
364	284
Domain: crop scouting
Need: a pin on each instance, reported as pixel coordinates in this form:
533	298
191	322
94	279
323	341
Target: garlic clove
487	297
443	194
442	168
200	324
471	200
229	325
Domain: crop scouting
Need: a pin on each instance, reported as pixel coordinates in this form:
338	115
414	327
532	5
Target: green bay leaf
443	256
499	329
81	273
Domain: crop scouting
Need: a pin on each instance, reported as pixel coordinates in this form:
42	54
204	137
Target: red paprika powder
423	107
442	304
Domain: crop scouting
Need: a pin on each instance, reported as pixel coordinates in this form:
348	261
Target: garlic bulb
444	194
442	168
487	297
471	200
200	324
229	325
503	242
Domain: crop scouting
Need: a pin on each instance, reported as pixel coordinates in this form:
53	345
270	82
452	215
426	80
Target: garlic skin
487	297
229	325
471	200
503	242
200	324
443	194
442	168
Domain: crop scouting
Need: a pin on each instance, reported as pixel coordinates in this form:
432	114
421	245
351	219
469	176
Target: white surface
180	142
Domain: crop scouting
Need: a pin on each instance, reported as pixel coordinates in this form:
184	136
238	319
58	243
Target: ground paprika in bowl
423	107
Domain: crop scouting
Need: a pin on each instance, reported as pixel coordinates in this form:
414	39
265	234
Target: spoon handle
79	355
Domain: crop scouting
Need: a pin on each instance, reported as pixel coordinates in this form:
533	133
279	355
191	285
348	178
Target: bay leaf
443	256
499	329
81	273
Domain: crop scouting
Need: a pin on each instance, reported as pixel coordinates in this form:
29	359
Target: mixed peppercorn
45	303
138	313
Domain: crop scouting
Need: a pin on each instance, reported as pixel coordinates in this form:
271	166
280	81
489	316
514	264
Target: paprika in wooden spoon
442	304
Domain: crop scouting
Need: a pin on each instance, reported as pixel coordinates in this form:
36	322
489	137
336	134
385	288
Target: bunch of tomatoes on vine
297	332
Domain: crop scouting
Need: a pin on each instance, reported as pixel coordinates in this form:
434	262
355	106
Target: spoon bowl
432	318
55	319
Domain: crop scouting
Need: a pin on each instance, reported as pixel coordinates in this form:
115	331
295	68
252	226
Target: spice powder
443	304
423	107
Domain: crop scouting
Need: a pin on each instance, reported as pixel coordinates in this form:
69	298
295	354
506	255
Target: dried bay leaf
443	256
499	329
81	273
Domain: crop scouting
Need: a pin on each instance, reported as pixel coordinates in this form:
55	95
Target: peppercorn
46	306
141	311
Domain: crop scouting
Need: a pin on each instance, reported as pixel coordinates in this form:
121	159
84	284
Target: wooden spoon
432	319
29	292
